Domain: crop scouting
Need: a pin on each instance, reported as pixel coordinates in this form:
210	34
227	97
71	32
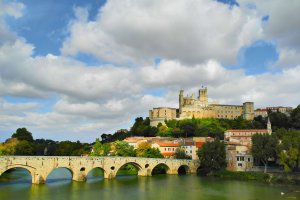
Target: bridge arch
134	164
89	171
183	170
56	168
29	169
160	168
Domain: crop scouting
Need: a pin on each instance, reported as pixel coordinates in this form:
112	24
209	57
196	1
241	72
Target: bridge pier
110	175
145	172
37	178
79	176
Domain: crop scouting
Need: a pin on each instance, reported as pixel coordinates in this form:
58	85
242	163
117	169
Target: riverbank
277	178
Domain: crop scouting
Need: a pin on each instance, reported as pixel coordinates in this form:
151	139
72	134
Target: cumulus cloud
90	100
282	27
188	31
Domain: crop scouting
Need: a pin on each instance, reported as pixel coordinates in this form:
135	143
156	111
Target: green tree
122	148
144	150
295	118
180	154
24	148
264	148
100	149
289	149
212	156
9	147
23	134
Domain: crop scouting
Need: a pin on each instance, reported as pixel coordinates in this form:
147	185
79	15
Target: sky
72	70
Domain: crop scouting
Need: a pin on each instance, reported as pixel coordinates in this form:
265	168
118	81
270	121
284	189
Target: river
17	185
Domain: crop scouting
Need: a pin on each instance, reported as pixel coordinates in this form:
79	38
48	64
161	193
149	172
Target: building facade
200	107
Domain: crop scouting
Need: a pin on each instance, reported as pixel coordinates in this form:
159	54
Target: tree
295	117
9	147
100	149
212	156
144	150
122	148
264	148
289	149
24	148
180	154
23	134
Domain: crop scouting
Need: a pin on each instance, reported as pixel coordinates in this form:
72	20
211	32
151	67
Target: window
165	149
249	159
190	151
242	158
240	164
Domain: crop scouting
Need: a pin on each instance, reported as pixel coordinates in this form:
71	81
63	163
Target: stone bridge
41	166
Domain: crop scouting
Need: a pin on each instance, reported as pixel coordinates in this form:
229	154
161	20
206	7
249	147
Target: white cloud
188	31
91	100
282	27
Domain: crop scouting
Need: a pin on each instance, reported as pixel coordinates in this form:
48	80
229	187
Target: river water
17	186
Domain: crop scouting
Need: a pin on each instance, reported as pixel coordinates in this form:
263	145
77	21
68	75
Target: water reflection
135	187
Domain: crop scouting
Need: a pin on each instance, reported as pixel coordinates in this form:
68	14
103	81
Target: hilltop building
264	111
200	107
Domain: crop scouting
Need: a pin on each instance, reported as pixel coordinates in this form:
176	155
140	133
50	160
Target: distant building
200	107
261	112
281	109
167	149
264	111
238	145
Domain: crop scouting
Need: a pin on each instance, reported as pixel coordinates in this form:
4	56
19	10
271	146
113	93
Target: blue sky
76	70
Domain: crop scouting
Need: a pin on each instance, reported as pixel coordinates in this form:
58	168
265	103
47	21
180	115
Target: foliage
100	149
264	148
9	147
289	150
144	150
122	148
295	118
164	131
23	134
24	148
141	127
212	156
180	154
118	135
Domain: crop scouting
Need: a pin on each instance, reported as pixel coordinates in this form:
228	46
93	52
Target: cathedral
200	107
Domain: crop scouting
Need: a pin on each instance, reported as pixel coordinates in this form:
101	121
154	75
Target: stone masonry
41	166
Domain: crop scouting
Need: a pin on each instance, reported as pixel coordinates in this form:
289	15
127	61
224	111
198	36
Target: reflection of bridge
41	166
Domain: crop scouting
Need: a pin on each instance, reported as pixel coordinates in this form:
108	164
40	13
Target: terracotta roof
199	144
168	153
248	130
167	144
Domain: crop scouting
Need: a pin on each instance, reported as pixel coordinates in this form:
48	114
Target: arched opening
60	174
95	174
183	170
128	169
16	175
160	169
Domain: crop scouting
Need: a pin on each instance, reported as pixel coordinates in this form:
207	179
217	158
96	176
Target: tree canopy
212	156
264	148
